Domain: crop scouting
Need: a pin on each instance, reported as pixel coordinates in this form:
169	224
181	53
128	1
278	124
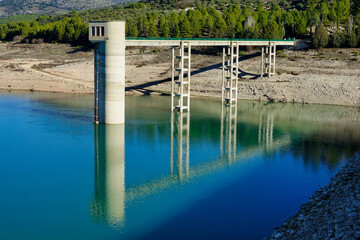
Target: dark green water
233	173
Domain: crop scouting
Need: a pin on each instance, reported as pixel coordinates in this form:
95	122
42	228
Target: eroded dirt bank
330	76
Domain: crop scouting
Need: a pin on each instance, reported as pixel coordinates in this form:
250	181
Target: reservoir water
220	172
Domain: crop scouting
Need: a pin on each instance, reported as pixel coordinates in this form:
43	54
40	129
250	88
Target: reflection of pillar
109	202
266	129
228	131
180	129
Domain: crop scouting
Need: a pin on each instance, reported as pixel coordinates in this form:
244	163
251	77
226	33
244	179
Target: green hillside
327	23
16	7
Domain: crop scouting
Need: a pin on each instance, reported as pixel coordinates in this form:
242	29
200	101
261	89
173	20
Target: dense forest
327	23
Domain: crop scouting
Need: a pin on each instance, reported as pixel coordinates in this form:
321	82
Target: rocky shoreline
333	212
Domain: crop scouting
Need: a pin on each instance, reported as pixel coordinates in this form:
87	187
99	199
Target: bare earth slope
329	77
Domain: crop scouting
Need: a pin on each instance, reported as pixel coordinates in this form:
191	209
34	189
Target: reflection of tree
316	151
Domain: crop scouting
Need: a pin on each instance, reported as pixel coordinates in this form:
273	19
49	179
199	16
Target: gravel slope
332	213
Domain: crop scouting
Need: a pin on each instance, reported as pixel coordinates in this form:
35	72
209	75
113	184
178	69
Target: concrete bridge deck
162	42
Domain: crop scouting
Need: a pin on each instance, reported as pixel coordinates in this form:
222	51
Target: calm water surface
221	172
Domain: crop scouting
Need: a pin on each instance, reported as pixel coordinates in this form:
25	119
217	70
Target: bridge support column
268	54
230	73
109	55
180	88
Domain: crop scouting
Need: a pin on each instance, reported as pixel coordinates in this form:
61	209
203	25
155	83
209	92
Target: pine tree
176	33
320	37
342	8
238	29
131	29
272	30
143	26
173	24
163	27
153	30
185	28
352	40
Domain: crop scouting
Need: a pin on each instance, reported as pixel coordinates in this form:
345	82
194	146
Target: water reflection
266	130
247	132
238	172
228	131
109	201
180	134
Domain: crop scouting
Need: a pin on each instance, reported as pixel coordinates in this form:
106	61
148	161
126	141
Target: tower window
92	31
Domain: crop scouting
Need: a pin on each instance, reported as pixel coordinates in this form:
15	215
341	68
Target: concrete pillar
262	62
111	66
180	89
109	201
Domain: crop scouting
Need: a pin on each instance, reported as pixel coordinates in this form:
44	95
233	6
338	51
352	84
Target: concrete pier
180	88
230	73
109	66
268	55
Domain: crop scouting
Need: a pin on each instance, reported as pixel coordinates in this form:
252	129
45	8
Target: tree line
338	17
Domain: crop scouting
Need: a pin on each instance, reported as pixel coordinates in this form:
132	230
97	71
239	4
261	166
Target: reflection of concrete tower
266	129
180	128
109	202
228	131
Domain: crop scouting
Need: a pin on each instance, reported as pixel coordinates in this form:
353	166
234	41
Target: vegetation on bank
327	23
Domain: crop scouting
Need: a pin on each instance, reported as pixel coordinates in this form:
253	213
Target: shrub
337	40
320	37
351	40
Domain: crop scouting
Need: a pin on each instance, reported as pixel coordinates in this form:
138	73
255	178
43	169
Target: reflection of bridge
109	66
111	197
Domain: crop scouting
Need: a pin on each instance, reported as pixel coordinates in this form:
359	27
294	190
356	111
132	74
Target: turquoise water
234	172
